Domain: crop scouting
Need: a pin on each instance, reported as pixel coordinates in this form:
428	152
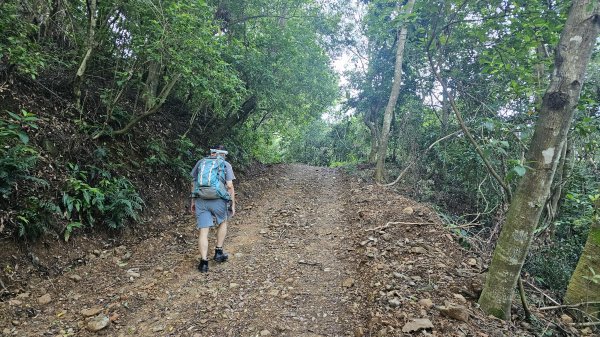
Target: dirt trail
285	276
313	253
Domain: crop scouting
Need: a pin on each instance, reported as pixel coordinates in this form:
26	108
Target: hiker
212	196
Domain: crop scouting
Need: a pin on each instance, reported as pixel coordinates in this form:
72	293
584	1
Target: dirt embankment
313	253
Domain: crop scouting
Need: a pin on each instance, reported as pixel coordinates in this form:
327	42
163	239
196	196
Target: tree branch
414	161
463	126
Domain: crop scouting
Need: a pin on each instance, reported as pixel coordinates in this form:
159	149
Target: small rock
394	302
16	323
75	277
460	298
408	210
265	333
14	302
458	312
133	273
359	332
472	262
6	331
91	311
566	319
114	317
98	323
233	285
159	268
23	295
426	303
45	299
417	324
347	283
158	328
418	250
263	231
587	331
399	275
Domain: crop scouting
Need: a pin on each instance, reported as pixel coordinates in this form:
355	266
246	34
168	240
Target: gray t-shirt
229	176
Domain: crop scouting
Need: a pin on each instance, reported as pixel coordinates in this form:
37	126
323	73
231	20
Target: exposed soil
313	252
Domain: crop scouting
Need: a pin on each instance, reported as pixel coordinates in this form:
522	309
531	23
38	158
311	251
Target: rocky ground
313	253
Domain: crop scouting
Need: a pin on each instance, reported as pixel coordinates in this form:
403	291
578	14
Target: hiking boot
203	266
220	256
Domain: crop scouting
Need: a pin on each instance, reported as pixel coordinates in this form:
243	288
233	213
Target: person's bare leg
203	243
221	233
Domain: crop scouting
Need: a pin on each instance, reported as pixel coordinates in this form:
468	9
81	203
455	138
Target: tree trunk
158	102
572	56
584	285
389	109
238	117
151	85
370	121
88	53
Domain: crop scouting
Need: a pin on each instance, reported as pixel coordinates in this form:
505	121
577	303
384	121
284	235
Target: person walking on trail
213	196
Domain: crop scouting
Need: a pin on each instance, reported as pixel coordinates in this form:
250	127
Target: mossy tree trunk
584	286
550	136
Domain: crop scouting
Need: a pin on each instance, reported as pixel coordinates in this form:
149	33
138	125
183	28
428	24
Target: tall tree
550	136
391	105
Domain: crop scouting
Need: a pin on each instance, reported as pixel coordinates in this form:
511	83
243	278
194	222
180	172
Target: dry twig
309	263
582	325
569	306
387	225
542	292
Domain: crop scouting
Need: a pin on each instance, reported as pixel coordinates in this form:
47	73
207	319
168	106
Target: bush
113	201
17	49
17	158
36	218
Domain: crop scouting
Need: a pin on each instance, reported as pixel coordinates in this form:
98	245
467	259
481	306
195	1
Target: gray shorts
207	209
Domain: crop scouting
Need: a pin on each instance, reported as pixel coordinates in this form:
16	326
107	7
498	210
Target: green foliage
552	265
186	154
17	47
122	202
158	154
17	158
113	201
179	156
36	217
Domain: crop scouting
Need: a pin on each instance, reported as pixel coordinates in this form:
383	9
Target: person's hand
193	207
232	210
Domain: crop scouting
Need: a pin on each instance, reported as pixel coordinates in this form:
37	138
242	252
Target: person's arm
193	204
231	191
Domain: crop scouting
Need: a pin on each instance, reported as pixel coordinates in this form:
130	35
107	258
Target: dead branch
566	306
387	225
582	325
543	293
309	263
